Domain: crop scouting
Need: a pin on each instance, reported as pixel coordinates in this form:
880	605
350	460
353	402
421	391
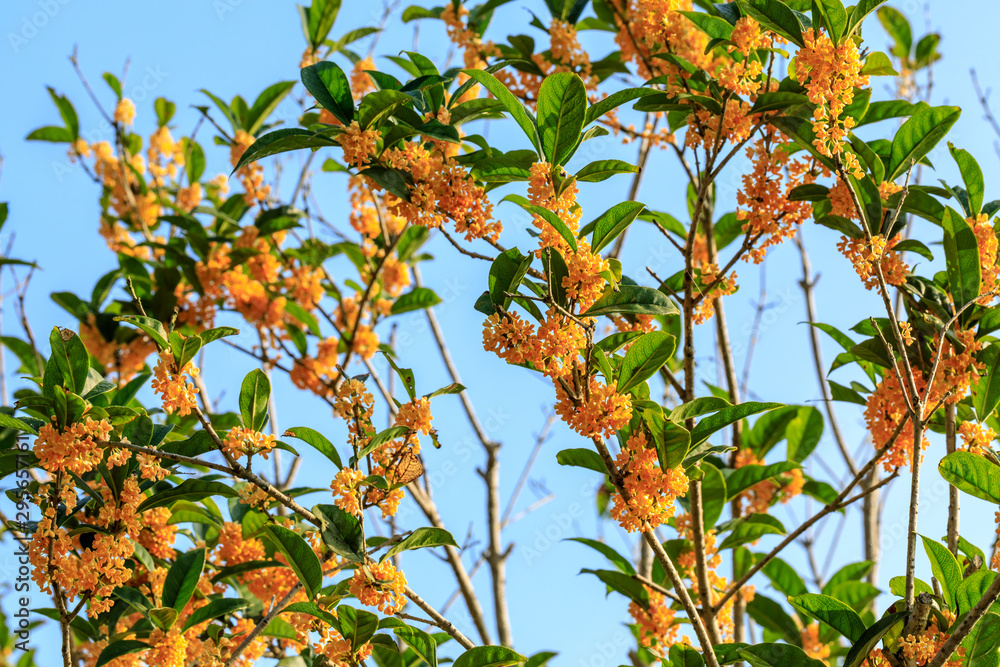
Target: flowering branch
976	613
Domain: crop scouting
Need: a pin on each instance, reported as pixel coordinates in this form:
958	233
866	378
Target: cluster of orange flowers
811	643
763	202
241	441
442	188
380	585
73	449
921	648
741	77
687	565
170	383
337	649
60	559
987	240
647	27
976	437
657	627
864	255
830	74
651	489
759	497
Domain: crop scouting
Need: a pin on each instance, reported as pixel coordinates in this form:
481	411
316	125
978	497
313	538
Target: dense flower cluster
651	489
380	585
976	437
830	73
763	203
74	449
241	441
759	497
442	188
864	255
657	626
170	383
987	241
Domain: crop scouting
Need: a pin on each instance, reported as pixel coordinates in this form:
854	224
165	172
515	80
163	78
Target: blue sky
240	47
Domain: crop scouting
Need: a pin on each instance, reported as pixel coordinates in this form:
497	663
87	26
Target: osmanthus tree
110	483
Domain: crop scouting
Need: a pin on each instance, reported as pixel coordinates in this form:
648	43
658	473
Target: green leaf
644	358
775	16
341	532
632	299
778	655
743	478
961	250
556	222
713	494
421	643
153	328
897	586
859	12
770	615
898	27
783	577
778	100
506	274
376	108
582	458
713	26
613	222
831	611
215	609
623	583
682	655
616	558
282	141
117	649
601	170
300	556
562	105
972	176
973	474
254	396
313	609
422	538
318	441
615	100
878	64
58	135
751	528
945	567
697	407
356	625
182	579
861	648
381	438
513	105
329	85
266	103
723	418
834	17
982	641
986	390
418	298
971	590
488	656
163	617
918	136
189	489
